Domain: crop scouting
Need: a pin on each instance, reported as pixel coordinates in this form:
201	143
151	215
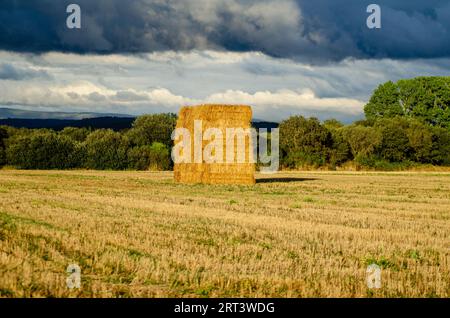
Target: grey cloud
272	86
96	97
73	95
311	31
127	96
14	73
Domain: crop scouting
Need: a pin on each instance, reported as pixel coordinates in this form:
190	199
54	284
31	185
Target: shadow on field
281	180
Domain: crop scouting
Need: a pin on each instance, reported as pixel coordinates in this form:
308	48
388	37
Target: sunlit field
302	234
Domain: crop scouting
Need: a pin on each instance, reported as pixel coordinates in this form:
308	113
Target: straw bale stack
220	117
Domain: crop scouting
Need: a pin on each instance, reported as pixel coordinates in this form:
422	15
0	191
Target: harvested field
302	234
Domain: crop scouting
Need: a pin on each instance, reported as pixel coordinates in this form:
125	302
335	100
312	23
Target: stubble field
302	234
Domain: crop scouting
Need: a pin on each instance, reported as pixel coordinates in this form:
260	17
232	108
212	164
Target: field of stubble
304	234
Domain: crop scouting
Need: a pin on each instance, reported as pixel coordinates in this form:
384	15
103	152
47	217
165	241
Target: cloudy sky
283	57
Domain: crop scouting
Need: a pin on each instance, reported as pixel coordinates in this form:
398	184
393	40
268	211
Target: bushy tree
304	141
394	145
362	140
424	98
139	157
420	140
159	156
154	157
440	151
42	151
13	132
76	134
427	98
385	102
79	156
340	151
148	129
332	124
3	137
106	150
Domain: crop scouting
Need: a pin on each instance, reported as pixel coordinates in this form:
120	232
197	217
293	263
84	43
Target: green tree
152	128
42	150
106	150
385	102
420	140
440	152
304	141
76	134
340	151
332	124
159	157
139	157
362	140
424	98
394	145
3	137
154	157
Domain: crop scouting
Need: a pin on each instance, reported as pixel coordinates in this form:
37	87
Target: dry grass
140	234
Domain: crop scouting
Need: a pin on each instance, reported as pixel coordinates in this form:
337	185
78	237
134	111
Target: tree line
385	143
145	146
407	123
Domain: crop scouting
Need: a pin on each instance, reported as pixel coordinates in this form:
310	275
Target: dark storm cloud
314	31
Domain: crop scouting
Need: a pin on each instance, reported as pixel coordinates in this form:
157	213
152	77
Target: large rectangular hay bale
220	117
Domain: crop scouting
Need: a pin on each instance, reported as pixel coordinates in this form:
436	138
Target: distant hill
264	124
60	120
7	113
115	123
